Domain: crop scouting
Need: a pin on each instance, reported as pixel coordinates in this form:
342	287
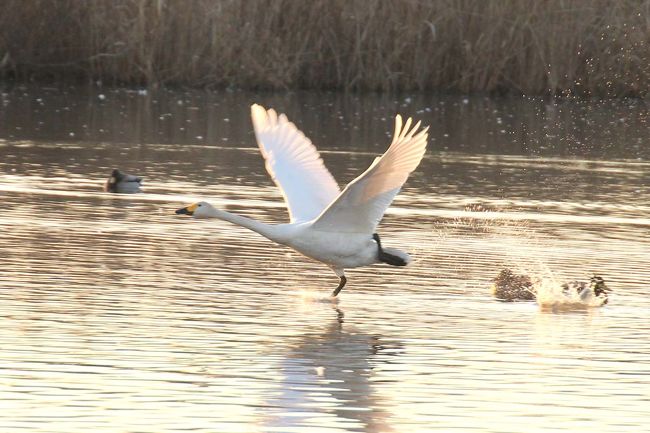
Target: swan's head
202	209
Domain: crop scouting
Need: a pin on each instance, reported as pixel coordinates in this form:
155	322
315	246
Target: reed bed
586	47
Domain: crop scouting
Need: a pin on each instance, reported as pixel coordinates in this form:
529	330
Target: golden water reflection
117	315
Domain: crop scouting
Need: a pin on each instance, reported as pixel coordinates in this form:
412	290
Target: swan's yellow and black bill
188	210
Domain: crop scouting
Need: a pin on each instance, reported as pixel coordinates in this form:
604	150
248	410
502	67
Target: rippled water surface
116	315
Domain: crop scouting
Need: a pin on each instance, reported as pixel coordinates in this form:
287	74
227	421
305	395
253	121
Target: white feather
294	164
361	206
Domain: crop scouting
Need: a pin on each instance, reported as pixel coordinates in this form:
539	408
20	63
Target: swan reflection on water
327	381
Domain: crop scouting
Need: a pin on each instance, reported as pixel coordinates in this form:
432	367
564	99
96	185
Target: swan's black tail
391	256
385	257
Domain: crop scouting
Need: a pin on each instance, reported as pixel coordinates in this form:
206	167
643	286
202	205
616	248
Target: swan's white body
338	250
328	225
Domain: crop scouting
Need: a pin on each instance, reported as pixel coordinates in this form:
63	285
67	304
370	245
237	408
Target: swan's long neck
269	231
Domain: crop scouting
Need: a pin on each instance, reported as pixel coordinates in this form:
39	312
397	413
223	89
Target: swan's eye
200	205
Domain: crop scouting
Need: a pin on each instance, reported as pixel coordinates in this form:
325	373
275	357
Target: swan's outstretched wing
361	205
294	164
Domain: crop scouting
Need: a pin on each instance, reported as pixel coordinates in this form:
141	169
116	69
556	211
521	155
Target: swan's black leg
341	284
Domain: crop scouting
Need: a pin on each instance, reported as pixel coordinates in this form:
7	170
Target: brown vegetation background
590	47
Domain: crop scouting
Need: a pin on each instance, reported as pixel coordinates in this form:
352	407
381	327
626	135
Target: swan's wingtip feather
273	116
259	116
398	127
257	111
398	123
406	127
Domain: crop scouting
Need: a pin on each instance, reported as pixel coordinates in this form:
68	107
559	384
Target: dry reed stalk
592	47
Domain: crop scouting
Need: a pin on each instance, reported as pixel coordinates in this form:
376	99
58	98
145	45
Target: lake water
116	315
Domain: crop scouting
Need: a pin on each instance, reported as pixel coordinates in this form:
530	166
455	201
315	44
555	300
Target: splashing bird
120	182
595	292
337	228
509	286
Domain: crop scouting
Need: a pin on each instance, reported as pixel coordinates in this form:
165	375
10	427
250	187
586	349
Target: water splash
551	294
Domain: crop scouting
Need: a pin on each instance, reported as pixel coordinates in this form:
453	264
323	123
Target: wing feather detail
362	204
294	164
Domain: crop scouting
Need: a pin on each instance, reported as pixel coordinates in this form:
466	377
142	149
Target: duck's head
201	209
598	285
111	183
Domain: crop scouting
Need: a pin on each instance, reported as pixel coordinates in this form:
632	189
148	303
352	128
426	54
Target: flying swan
334	227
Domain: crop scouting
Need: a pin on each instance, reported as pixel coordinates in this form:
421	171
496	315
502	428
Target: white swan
123	183
333	227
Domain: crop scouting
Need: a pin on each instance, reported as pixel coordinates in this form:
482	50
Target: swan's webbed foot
341	284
